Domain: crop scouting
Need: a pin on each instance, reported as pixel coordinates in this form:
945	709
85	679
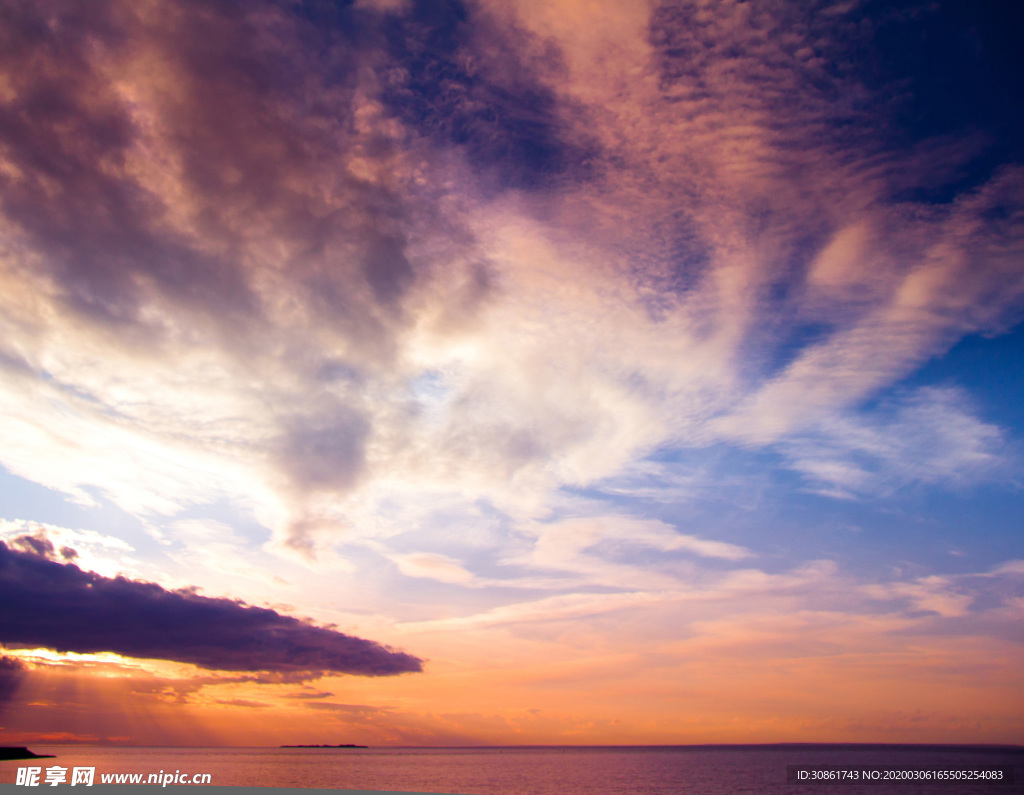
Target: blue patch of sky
749	498
429	387
930	528
458	93
225	511
796	340
466	534
338	370
32	502
24	499
80	394
991	369
950	69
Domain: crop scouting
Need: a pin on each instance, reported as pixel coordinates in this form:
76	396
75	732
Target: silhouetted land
7	752
349	745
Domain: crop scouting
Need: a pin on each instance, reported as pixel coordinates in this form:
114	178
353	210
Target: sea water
538	770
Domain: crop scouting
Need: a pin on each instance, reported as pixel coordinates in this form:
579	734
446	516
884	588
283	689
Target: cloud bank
58	606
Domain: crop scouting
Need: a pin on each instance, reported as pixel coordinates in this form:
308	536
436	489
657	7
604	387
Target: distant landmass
347	745
7	752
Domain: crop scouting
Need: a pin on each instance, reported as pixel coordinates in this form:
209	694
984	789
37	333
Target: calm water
533	771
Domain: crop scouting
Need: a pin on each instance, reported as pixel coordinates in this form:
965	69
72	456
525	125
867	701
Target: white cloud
934	594
930	436
104	554
433	566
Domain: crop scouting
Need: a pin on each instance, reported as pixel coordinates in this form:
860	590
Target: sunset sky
452	372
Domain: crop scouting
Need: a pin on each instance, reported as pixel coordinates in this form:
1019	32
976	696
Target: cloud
59	606
555	608
934	594
928	436
433	566
976	599
12	672
89	550
353	709
1010	567
616	551
530	299
40	545
714	589
241	702
477	82
308	695
320	264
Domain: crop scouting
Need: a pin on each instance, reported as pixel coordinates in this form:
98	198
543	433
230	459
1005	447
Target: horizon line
825	744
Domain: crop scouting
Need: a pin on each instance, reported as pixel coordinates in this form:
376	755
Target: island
8	752
347	745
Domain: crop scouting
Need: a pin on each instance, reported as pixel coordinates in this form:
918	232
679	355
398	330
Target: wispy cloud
930	436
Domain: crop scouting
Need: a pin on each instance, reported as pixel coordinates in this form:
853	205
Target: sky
476	372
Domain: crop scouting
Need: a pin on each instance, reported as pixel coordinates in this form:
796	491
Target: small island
347	745
8	752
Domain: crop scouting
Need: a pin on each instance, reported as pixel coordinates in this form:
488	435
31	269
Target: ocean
707	770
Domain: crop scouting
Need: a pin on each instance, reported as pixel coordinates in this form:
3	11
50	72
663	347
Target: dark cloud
59	606
253	104
315	694
69	136
457	81
952	69
267	678
868	77
326	452
181	690
12	672
241	702
352	709
387	269
37	544
787	66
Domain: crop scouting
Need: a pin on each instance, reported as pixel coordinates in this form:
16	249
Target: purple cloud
59	606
